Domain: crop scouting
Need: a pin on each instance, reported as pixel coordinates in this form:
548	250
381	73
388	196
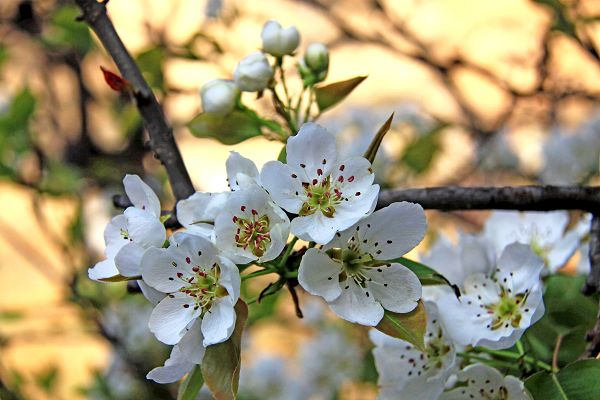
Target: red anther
319	172
314	181
235	219
191	279
341	179
254	212
309	194
187	260
202	274
196	268
243	208
204	291
342	167
179	274
237	238
351	179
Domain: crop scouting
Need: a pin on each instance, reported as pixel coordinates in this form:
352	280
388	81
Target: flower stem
489	361
261	272
288	251
514	356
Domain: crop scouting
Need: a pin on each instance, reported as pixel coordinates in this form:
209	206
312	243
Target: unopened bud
317	57
219	96
278	41
253	73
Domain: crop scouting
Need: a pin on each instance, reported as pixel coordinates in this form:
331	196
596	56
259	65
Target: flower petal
129	258
191	344
159	270
154	296
319	275
396	287
115	235
312	149
354	305
176	366
171	316
278	180
314	227
230	278
145	228
241	172
218	323
198	212
141	195
519	268
103	269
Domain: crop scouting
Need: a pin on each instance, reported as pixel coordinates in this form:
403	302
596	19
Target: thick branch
524	198
592	284
161	134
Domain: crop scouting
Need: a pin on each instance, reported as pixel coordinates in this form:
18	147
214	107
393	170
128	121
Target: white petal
347	213
482	287
191	344
315	227
458	317
279	235
308	149
171	316
352	175
160	272
145	228
230	278
278	179
154	296
444	258
394	230
241	171
319	275
200	210
141	195
218	323
129	258
355	306
519	268
103	269
549	226
397	288
175	368
476	256
114	235
562	250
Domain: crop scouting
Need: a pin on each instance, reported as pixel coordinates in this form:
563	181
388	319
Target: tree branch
523	198
160	132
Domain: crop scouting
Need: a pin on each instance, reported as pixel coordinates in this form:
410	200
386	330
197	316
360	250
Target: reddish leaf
116	82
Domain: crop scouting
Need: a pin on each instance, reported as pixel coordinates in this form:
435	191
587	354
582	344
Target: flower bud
278	41
317	57
219	96
253	73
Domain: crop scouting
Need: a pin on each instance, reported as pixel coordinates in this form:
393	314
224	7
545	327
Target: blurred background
485	93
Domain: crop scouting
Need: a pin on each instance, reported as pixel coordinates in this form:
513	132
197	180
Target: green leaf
409	327
419	153
120	278
191	386
282	157
221	362
376	142
151	64
578	381
66	32
231	129
568	314
329	95
426	275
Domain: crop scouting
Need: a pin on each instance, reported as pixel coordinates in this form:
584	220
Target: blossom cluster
193	275
499	274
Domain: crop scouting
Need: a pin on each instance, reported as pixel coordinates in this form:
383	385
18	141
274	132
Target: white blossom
219	96
543	232
251	227
278	41
484	382
317	57
327	194
253	73
405	372
352	272
496	308
200	284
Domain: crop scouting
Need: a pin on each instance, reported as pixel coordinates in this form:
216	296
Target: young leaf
578	381
426	275
221	362
231	129
329	95
115	81
191	386
409	327
376	142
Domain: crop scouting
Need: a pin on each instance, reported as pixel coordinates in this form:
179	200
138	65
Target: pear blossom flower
253	73
251	227
407	373
543	232
484	382
197	213
352	272
328	195
278	41
130	234
201	284
496	308
219	96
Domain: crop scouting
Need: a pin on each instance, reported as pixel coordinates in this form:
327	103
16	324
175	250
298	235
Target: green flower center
507	311
253	233
353	263
436	350
320	196
203	287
